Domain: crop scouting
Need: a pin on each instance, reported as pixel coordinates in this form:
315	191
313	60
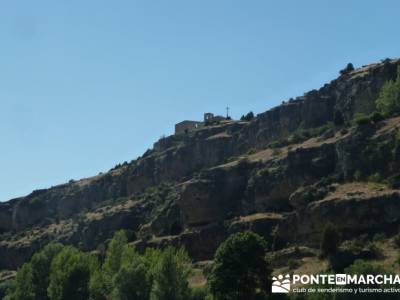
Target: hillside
283	174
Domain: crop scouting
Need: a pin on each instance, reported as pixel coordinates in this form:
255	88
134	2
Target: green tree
361	267
70	275
130	283
41	263
388	101
22	287
171	276
330	240
97	286
35	274
248	117
241	271
114	253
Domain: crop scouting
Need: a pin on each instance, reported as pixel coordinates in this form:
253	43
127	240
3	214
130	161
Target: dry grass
259	216
101	212
197	278
270	154
392	124
358	190
222	135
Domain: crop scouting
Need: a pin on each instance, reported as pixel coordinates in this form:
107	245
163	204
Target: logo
281	284
336	283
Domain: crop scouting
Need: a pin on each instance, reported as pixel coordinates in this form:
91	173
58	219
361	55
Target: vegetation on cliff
331	156
388	101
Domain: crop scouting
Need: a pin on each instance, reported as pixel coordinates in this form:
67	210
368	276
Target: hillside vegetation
316	180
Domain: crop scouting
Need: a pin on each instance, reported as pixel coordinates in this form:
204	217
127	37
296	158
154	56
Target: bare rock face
195	189
355	208
213	199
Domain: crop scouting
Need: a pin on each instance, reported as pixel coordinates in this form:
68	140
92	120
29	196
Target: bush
361	119
293	264
388	101
275	144
361	267
379	237
330	241
347	70
376	177
276	152
251	151
357	175
248	117
344	131
199	293
376	117
241	269
373	250
396	240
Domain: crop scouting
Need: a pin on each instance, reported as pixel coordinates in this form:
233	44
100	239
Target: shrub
361	267
249	116
376	117
347	69
199	293
251	151
396	240
330	241
276	152
361	119
241	269
294	138
376	177
293	264
344	131
357	175
275	144
379	237
374	250
388	101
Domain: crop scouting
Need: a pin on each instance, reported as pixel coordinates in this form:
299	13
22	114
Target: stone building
188	126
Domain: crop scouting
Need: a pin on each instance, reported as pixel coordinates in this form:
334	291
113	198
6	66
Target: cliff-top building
187	125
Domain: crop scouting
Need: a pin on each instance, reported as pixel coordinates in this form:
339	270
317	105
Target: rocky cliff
283	174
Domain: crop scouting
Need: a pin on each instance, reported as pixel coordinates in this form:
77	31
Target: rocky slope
283	174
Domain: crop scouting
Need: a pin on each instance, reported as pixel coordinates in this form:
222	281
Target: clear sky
87	84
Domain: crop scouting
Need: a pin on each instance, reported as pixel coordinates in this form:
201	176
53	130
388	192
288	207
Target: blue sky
85	85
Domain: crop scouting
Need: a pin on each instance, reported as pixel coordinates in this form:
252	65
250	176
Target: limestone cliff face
283	174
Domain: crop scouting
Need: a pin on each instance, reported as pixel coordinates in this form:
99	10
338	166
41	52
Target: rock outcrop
284	175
